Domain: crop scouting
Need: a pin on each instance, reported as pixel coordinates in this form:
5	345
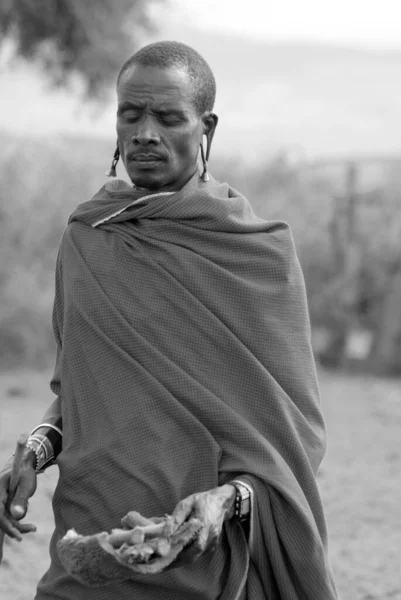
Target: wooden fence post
385	358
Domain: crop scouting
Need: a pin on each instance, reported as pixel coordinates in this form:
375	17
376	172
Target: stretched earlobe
205	174
112	171
210	126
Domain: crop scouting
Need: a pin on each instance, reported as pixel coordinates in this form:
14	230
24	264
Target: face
159	130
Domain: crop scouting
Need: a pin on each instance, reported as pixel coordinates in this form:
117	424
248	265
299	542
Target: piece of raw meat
141	546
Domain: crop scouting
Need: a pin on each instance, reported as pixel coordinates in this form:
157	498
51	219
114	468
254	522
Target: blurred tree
90	38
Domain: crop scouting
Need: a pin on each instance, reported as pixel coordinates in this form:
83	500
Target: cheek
187	147
123	138
124	131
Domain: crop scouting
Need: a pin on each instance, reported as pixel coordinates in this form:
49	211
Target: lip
145	158
147	164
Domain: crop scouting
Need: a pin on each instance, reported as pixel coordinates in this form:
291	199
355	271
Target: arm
43	444
53	413
26	485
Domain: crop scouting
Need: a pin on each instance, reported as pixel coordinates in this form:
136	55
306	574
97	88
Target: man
184	376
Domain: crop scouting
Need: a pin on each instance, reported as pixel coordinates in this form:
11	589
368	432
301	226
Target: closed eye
169	120
129	115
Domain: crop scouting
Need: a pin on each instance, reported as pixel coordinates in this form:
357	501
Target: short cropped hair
175	54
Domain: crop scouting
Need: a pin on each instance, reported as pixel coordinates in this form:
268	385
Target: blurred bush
70	38
41	181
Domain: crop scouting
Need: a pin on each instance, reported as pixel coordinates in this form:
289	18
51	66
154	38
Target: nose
145	133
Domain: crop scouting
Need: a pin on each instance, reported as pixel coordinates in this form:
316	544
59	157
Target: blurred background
309	102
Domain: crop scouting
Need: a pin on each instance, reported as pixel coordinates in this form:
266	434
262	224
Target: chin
146	178
147	183
150	181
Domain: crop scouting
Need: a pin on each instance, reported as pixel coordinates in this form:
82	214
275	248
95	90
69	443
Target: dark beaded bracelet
46	441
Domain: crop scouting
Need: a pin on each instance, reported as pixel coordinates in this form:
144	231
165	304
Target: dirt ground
360	481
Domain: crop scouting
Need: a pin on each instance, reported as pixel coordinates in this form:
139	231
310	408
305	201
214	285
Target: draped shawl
184	360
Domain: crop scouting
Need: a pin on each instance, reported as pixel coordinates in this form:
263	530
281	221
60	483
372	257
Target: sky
363	23
352	23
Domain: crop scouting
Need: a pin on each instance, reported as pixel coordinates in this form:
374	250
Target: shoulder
74	236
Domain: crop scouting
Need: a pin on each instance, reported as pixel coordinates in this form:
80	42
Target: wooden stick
15	470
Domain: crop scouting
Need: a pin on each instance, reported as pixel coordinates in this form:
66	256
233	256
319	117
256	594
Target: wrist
230	492
242	503
45	442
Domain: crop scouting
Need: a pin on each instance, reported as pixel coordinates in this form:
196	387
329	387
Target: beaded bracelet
242	504
46	444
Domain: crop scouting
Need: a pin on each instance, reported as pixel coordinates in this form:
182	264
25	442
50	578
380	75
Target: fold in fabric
184	360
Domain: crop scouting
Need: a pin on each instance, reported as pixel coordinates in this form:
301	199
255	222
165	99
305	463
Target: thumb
183	510
25	488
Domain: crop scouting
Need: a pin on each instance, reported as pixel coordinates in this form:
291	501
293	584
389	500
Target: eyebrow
137	106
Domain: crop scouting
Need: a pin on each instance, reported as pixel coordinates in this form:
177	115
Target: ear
209	120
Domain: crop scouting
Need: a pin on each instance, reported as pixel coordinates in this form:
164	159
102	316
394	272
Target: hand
212	508
13	509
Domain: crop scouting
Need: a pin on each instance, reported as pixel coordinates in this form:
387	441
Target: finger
17	461
25	488
15	529
26	527
8	527
190	555
6	522
187	556
183	510
212	544
18	508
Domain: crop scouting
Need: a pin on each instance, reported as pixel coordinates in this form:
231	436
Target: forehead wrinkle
143	84
165	98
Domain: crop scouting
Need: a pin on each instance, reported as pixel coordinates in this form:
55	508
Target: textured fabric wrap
184	360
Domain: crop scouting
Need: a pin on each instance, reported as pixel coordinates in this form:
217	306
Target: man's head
166	93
